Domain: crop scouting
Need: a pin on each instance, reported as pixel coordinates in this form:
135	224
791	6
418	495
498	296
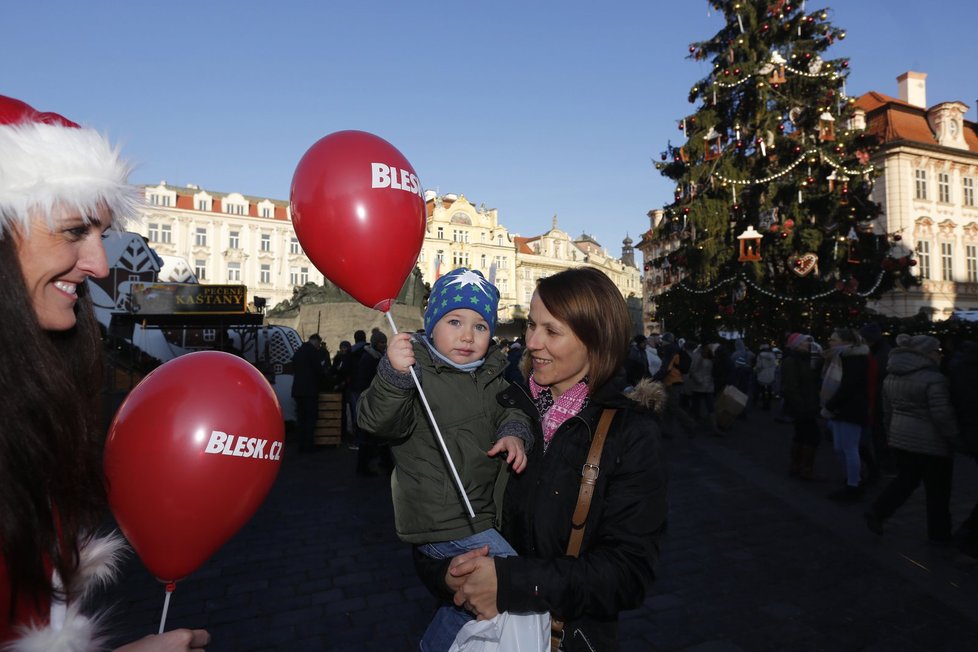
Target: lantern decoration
832	178
711	148
826	127
853	241
844	191
777	72
750	245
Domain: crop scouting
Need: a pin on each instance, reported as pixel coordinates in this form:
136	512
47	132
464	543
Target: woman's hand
454	577
477	592
401	353
176	640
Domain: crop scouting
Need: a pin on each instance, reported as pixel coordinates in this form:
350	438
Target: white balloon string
434	424
166	605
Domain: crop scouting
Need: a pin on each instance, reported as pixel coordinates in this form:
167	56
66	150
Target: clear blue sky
535	108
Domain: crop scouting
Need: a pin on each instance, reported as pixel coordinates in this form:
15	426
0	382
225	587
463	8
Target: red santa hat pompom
48	161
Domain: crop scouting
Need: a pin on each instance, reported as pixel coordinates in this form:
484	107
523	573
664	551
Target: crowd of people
893	407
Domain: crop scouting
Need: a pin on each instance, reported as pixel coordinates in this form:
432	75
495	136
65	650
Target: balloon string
170	586
434	424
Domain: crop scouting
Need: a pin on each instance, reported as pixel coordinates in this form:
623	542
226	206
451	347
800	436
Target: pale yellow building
928	158
213	237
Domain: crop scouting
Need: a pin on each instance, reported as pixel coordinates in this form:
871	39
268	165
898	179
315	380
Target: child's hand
401	353
515	454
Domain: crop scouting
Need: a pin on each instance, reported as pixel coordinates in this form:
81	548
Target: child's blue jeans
449	619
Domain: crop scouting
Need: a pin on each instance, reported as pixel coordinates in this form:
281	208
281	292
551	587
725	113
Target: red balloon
191	454
359	212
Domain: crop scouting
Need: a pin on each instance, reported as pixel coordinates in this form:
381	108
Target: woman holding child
577	340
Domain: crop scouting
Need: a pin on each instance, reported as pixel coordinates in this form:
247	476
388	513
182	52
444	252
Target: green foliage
777	155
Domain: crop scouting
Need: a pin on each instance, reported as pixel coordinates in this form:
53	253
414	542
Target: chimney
913	88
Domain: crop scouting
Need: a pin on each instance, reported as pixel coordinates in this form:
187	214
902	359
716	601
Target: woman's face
559	359
55	261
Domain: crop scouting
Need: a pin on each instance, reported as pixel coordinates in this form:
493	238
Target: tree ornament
750	245
826	127
804	264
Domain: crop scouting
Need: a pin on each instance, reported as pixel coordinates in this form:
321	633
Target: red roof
892	119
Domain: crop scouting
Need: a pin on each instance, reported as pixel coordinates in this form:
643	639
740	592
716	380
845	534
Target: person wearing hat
63	188
921	426
461	372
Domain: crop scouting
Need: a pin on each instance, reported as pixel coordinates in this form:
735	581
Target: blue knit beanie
462	288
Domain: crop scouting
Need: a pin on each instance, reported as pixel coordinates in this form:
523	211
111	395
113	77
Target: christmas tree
772	226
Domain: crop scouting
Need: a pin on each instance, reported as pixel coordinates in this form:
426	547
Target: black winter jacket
620	548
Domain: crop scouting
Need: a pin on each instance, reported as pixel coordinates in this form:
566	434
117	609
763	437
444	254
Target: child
461	375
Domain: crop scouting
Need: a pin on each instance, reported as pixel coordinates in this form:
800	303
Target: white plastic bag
505	632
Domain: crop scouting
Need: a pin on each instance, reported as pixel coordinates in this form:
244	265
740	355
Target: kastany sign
187	298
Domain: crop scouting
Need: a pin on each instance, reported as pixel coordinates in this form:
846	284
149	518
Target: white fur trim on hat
44	166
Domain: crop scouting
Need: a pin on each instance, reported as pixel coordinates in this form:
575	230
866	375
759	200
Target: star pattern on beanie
471	291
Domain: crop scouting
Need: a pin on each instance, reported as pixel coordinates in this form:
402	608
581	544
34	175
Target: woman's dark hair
52	492
592	306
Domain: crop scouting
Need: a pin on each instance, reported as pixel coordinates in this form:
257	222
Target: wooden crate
329	424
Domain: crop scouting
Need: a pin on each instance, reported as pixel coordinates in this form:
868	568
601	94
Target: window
159	200
499	240
166	235
971	262
234	209
266	212
266	241
294	247
460	235
202	205
234	240
265	274
920	184
200	236
502	285
923	253
968	191
460	259
440	233
234	272
944	188
947	266
482	261
153	232
200	269
299	275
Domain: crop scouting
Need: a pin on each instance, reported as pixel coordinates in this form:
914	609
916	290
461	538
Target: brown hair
592	306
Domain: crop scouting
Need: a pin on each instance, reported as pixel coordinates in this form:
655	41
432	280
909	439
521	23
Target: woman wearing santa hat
62	189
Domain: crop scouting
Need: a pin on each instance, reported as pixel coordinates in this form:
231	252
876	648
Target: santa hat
47	161
795	340
462	288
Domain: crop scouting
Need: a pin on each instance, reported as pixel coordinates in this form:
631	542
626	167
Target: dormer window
235	204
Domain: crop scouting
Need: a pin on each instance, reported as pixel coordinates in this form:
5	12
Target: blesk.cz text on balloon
385	176
221	443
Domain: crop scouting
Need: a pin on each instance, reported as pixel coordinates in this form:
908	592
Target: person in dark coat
577	339
922	429
513	358
363	375
799	388
846	404
309	372
963	380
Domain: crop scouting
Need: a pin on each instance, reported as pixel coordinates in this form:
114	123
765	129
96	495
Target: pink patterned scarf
556	411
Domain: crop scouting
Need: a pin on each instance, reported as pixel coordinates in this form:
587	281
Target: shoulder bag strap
589	478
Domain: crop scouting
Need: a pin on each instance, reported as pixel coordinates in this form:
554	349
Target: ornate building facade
213	237
929	163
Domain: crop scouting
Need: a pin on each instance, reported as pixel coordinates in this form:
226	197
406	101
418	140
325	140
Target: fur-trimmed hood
650	394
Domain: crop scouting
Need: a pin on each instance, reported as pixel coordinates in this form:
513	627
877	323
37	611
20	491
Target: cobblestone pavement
753	560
